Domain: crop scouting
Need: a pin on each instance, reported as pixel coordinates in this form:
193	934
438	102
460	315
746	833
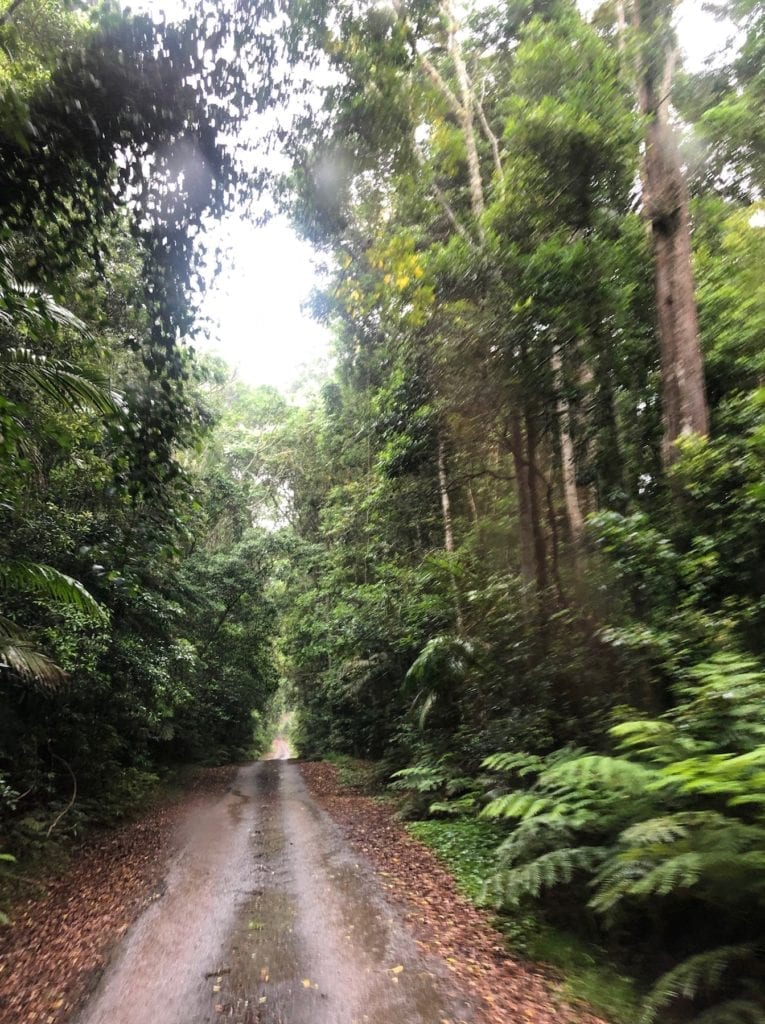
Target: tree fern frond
532	838
630	874
704	970
520	805
599	769
514	761
551	869
671	827
733	1011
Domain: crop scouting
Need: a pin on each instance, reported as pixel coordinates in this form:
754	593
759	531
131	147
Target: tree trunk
537	529
568	464
443	489
684	397
665	206
525	529
446	514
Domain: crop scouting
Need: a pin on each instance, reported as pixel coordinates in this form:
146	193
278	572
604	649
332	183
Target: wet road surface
268	917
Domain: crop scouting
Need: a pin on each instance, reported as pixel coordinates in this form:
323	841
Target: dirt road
268	917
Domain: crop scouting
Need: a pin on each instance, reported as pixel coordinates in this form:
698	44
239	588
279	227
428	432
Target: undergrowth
356	773
468	849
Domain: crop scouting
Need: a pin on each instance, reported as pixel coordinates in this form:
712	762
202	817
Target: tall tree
665	206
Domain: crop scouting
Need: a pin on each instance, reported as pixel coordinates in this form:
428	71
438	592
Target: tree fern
629	874
521	805
517	762
599	771
733	1011
702	972
551	869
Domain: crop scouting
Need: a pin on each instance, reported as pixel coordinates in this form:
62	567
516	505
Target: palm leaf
61	381
23	302
21	656
24	660
46	582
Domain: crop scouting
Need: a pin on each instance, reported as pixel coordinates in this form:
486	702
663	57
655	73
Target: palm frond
21	302
62	381
47	582
24	660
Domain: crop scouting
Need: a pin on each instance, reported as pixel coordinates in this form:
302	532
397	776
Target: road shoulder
61	940
445	924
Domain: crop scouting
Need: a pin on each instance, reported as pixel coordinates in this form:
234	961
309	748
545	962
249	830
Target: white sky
258	325
254	305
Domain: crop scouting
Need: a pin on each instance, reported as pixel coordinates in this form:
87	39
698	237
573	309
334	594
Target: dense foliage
528	504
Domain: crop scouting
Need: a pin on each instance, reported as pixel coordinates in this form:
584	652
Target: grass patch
467	848
355	773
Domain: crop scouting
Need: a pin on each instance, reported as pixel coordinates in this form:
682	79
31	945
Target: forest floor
259	899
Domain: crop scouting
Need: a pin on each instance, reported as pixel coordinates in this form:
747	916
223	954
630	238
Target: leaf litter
59	942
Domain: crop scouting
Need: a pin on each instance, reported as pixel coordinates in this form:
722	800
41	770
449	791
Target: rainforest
489	585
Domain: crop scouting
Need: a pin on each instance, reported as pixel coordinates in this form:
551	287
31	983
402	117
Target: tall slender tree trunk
525	529
665	205
532	475
446	515
568	464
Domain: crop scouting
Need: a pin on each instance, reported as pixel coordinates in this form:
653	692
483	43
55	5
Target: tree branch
10	11
435	77
492	138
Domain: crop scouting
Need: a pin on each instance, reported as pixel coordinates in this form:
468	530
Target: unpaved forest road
269	918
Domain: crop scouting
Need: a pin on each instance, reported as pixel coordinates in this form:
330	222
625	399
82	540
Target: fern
599	770
627	875
464	804
518	762
704	971
733	1011
425	777
678	810
520	805
552	869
